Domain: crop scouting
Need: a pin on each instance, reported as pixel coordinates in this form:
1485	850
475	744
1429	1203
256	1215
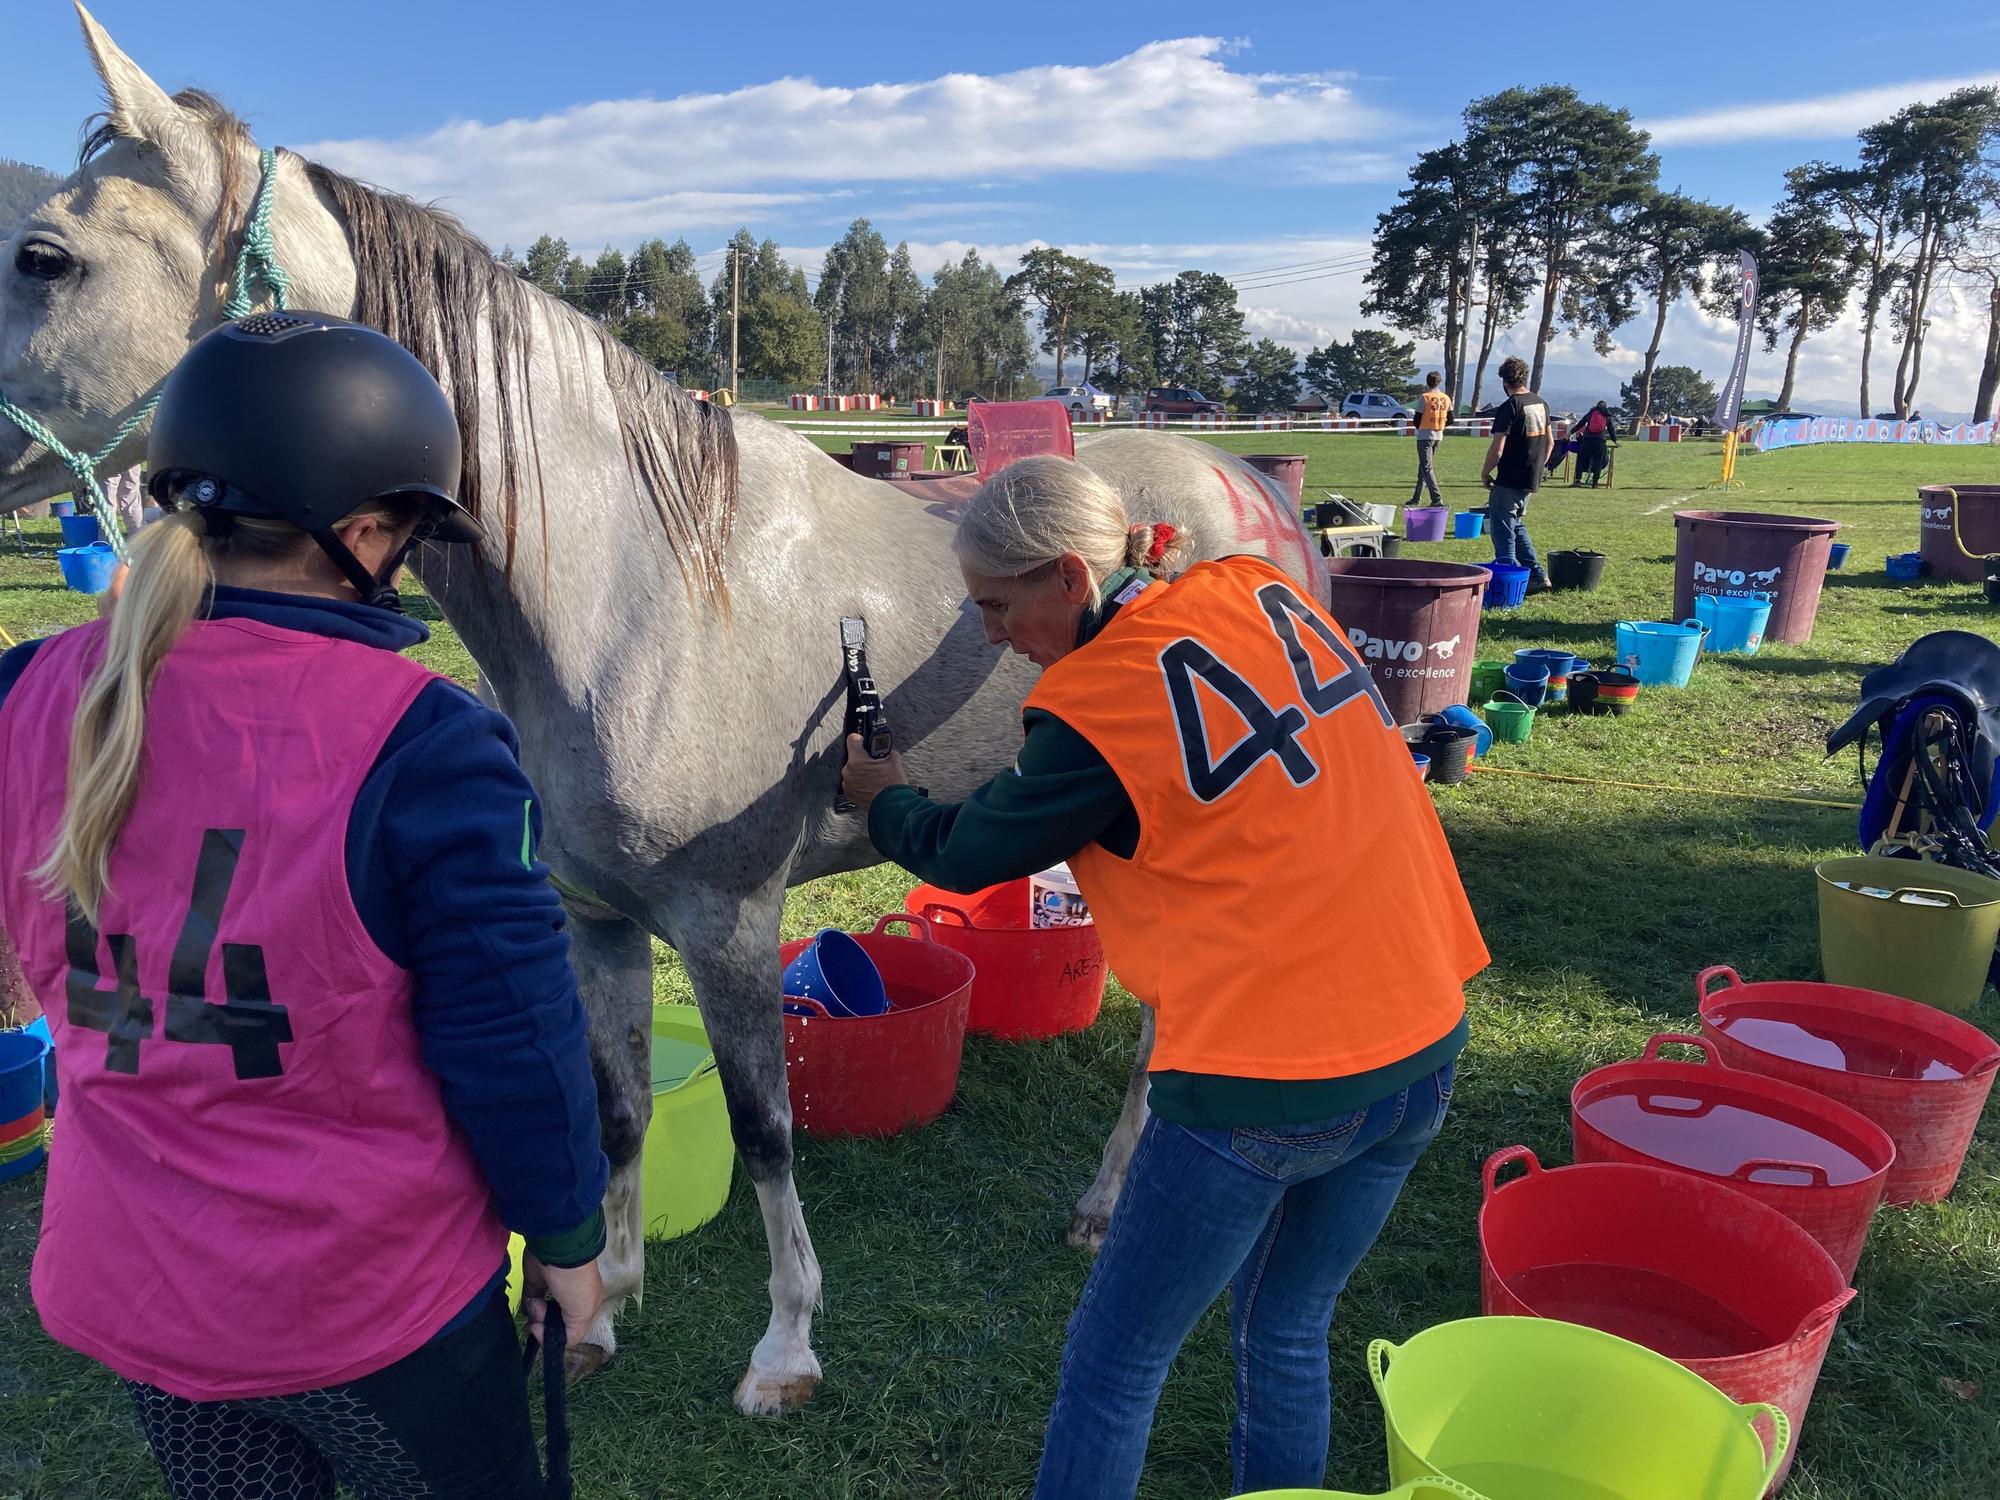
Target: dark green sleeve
1060	797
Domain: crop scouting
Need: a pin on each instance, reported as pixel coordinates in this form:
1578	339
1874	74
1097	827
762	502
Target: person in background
126	493
1298	1071
1433	412
317	1036
1595	431
1515	464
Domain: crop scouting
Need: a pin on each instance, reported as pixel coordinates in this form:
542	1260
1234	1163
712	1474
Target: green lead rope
256	265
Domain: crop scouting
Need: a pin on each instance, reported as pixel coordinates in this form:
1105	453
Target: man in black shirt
1513	471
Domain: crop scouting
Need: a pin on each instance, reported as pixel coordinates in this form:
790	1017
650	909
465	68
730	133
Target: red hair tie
1163	538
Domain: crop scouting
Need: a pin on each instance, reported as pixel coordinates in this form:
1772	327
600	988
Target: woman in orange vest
1267	873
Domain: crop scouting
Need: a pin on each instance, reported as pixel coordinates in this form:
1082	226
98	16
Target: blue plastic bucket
40	1027
1467	525
1528	683
1458	716
837	972
23	1074
80	531
62	507
1659	655
1837	555
1558	665
1508	586
88	570
1733	624
1905	567
1423	764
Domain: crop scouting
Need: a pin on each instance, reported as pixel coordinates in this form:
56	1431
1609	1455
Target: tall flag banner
1730	401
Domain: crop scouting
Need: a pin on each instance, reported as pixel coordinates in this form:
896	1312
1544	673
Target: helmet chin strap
380	592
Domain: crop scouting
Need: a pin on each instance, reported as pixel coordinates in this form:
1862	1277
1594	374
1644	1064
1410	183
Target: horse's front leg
1094	1208
731	950
614	974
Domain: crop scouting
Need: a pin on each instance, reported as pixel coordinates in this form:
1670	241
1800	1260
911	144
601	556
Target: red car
1179	401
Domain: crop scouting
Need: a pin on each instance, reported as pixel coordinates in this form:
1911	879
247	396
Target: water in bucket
1889	1053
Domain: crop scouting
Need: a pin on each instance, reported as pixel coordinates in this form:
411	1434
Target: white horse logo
1445	648
1767	577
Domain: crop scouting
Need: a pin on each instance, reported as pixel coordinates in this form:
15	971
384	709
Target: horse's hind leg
731	950
614	974
1093	1210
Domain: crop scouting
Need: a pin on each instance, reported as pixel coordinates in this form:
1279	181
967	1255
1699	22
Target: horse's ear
140	108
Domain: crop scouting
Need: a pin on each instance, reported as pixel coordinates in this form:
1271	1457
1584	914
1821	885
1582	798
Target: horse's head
108	280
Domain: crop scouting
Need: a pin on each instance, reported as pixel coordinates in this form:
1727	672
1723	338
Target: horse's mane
425	280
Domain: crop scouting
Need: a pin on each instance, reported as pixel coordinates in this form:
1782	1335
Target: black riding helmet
302	417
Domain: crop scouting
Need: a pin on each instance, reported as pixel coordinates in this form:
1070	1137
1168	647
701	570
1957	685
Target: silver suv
1374	404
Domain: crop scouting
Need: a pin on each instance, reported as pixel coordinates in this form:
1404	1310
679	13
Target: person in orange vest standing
1221	775
1433	411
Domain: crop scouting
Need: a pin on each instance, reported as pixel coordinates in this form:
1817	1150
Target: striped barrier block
1210	421
1657	432
927	408
1152	419
867	402
1273	422
804	403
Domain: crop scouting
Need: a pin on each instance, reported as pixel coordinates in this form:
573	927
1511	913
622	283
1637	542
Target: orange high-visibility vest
1292	909
1434	411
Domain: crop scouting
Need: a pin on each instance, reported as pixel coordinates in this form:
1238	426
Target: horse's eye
42	261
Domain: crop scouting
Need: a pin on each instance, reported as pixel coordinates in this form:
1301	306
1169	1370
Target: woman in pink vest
318	1041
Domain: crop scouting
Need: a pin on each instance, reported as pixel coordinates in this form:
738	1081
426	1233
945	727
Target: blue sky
1152	137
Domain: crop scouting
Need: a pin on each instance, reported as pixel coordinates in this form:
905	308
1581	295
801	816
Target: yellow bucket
1536	1409
1416	1489
689	1156
1928	936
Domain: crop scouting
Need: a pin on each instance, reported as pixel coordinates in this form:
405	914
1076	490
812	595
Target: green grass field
947	1283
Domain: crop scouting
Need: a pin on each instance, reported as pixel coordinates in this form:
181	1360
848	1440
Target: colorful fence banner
1730	400
1796	432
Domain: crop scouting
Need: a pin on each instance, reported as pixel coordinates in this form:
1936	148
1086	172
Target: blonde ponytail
170	574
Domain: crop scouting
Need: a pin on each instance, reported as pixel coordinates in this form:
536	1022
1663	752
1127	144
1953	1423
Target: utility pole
937	392
735	315
829	354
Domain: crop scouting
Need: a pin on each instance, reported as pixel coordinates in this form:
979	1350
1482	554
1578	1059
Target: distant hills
21	188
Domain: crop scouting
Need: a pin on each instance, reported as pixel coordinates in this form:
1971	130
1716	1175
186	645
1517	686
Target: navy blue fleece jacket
440	861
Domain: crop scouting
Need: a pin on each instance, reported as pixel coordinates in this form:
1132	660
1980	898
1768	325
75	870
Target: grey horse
656	602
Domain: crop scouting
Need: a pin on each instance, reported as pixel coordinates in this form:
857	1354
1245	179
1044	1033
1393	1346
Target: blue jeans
1507	520
1279	1216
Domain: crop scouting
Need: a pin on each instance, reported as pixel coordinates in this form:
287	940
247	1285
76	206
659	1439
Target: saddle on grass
1933	792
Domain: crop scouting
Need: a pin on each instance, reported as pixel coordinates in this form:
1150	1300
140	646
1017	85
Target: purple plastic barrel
1978	507
1737	554
1287	469
1415	626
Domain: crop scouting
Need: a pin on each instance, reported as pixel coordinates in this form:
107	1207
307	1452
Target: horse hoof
582	1360
1086	1231
774	1395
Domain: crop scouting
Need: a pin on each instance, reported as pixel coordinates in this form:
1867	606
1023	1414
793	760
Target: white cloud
600	169
1821	118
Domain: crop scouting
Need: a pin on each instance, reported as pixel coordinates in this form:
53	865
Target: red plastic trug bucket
1679	1263
1978	526
1871	1052
1737	554
1415	626
1287	470
877	1075
1033	982
1819	1163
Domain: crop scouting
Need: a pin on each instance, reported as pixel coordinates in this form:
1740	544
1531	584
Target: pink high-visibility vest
253	1187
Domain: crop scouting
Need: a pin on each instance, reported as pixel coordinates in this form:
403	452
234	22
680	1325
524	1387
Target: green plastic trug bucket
1534	1409
1416	1489
688	1154
1930	938
1488	678
1511	720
